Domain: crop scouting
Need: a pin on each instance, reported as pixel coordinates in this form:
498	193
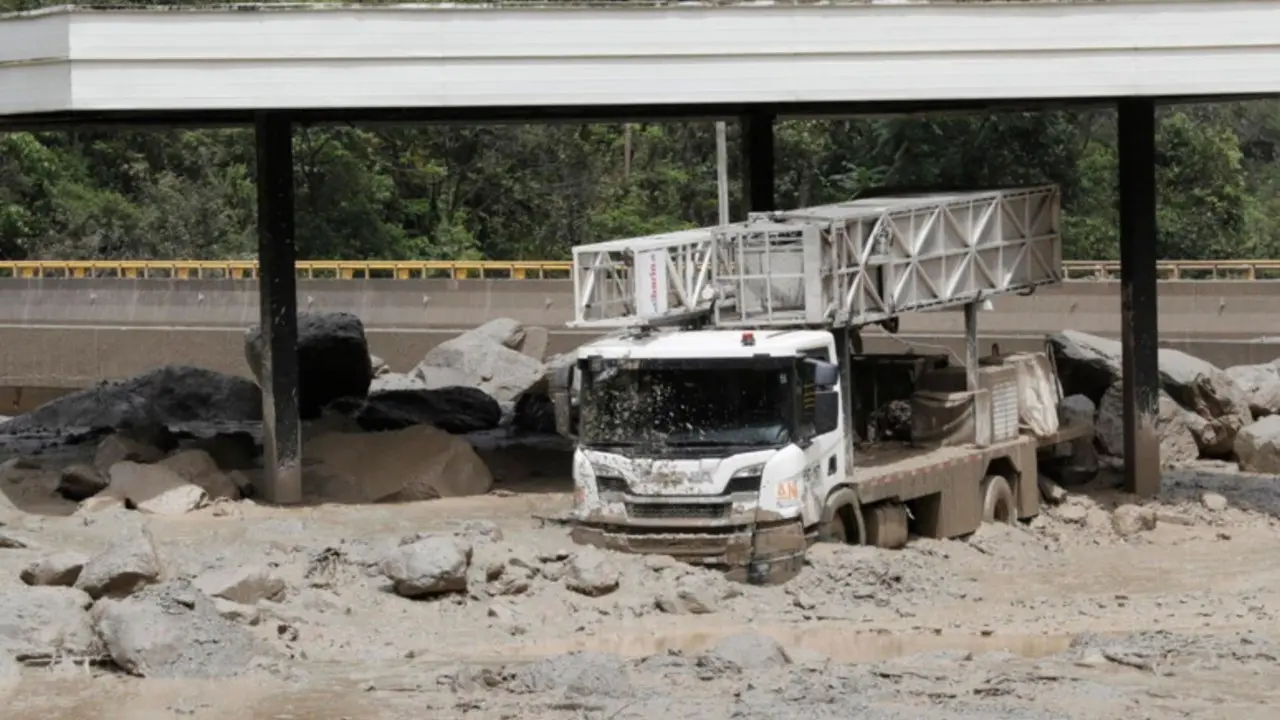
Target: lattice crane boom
848	264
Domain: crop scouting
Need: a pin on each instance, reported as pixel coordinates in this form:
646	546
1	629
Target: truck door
824	456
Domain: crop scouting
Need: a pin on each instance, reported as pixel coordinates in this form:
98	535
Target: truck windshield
705	406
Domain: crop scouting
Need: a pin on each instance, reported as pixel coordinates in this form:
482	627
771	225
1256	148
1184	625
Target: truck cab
718	447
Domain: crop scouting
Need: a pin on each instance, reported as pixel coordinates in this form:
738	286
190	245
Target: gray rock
333	359
1090	365
432	565
198	468
1077	410
10	669
479	359
395	381
1130	520
61	568
129	564
506	332
155	489
579	674
591	572
119	447
79	482
170	396
39	623
1258	446
1213	502
1261	386
244	585
173	631
1173	425
744	651
378	366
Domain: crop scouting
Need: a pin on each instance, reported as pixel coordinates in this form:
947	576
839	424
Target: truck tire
997	501
842	520
886	525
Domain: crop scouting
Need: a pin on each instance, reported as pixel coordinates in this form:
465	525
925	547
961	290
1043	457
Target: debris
429	566
61	568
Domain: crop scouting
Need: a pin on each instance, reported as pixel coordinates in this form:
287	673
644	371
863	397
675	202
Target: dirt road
1071	616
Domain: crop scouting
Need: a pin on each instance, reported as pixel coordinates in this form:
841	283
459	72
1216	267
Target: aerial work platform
845	265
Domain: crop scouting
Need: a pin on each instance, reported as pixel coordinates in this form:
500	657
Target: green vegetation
534	191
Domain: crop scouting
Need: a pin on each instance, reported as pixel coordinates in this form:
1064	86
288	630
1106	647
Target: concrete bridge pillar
758	162
278	303
1139	331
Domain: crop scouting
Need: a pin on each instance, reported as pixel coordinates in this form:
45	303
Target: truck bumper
762	552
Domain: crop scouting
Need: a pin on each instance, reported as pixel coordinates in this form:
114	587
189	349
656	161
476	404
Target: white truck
730	417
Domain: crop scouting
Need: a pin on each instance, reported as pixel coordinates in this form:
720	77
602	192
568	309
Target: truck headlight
746	479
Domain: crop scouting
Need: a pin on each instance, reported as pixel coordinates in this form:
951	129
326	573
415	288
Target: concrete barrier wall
1211	308
69	333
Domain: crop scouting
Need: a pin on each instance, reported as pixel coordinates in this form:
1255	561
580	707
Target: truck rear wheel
886	524
997	501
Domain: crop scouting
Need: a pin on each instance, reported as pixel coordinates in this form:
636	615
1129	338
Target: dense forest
533	191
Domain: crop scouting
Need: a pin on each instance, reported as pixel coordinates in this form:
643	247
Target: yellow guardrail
522	269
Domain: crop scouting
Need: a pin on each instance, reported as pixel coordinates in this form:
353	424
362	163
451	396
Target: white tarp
1038	393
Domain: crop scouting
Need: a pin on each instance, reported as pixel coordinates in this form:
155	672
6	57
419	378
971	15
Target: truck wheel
886	525
841	520
997	501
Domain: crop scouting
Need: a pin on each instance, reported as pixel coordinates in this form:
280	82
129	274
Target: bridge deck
627	55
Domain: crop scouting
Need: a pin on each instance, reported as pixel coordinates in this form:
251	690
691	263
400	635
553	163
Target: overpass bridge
276	65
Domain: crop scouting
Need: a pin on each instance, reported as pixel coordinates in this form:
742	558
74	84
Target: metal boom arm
843	265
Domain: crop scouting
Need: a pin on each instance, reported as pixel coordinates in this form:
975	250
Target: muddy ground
1059	618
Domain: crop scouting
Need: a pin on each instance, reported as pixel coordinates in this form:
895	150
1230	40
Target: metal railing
1076	270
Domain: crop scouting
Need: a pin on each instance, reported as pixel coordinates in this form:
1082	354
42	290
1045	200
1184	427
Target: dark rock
534	413
173	395
333	359
457	410
80	481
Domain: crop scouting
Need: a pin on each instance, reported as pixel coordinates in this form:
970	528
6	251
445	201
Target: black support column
1139	331
757	162
278	299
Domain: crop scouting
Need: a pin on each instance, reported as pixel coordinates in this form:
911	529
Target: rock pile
371	435
1203	412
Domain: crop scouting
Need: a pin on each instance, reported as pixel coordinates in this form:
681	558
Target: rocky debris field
425	576
1102	607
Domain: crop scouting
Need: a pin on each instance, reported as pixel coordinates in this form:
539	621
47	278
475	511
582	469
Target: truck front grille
671	511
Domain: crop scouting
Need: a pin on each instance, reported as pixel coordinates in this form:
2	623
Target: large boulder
417	463
47	623
1257	446
333	359
173	631
1173	425
457	410
1090	365
1261	385
170	396
483	358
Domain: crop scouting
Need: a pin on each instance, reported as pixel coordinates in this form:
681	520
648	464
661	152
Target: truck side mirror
560	383
826	412
825	375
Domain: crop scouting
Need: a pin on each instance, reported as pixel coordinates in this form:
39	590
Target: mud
1061	617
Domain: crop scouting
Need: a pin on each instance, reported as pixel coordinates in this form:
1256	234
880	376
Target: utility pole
722	170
